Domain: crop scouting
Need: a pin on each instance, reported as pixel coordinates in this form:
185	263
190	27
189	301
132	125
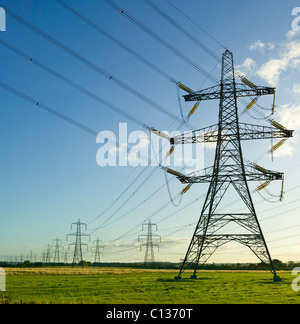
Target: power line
125	191
118	42
55	112
58	44
161	40
182	30
64	117
198	26
75	85
96	68
172	48
50	110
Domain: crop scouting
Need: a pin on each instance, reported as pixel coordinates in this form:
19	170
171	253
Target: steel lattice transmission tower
149	253
98	253
47	254
66	257
78	256
229	169
57	250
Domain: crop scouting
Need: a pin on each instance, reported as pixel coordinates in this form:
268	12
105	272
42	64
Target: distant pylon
57	250
77	258
149	253
66	257
99	245
47	254
30	256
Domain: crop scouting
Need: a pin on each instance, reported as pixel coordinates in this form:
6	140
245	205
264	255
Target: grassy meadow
135	286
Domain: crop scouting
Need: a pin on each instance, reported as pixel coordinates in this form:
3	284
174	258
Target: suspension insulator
276	146
282	187
277	125
274	98
170	152
247	82
261	169
193	109
251	104
173	172
161	134
264	185
185	189
185	88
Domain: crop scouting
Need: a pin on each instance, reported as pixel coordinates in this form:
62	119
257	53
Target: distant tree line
279	265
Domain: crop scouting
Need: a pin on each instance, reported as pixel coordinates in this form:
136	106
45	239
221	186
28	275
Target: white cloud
289	116
247	66
286	150
174	243
296	88
288	58
259	45
271	70
291	34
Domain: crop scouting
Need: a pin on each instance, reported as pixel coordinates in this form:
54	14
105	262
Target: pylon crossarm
210	134
205	94
156	236
251	132
228	173
262	173
242	90
83	234
203	135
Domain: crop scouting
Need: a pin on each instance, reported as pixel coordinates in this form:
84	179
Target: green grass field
131	286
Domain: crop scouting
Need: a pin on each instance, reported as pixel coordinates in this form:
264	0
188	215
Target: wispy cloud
288	57
289	116
291	34
296	88
259	45
247	67
284	59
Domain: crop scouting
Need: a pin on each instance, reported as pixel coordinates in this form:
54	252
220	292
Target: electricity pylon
98	253
77	257
57	250
66	257
229	169
47	254
149	253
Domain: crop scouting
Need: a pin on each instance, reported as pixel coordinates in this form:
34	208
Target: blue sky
49	175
